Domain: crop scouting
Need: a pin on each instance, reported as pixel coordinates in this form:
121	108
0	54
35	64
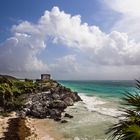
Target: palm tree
129	127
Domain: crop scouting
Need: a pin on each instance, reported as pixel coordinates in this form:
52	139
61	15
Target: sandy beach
4	123
40	129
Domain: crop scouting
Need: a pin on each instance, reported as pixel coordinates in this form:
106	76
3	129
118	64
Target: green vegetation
129	127
14	92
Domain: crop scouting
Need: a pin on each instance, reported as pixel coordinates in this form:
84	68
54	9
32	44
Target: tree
129	127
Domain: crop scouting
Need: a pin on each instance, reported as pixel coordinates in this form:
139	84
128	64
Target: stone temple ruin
45	77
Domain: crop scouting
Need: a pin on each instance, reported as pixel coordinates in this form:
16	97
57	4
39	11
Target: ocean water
98	110
101	88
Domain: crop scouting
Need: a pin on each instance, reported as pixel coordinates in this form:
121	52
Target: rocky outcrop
68	115
51	103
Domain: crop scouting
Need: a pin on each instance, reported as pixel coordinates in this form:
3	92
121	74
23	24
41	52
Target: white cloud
128	7
112	49
65	67
19	54
129	22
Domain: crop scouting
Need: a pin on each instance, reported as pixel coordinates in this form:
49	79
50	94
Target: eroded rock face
51	103
68	101
57	104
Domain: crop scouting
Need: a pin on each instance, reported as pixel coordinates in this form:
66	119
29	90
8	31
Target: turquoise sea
98	110
101	88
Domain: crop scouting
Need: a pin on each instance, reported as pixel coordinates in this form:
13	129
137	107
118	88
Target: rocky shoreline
48	99
50	103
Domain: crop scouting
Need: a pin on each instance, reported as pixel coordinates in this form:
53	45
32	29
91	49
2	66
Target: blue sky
92	12
102	42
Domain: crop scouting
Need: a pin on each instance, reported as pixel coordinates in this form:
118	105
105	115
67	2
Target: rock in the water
68	115
75	97
64	121
57	119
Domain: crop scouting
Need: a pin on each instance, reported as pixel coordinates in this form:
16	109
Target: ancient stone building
45	76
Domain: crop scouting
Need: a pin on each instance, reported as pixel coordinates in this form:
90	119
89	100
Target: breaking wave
96	104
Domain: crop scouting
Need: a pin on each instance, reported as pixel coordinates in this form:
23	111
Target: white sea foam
97	104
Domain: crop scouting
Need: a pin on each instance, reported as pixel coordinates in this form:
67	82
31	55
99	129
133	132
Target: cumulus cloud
114	48
130	19
66	66
20	52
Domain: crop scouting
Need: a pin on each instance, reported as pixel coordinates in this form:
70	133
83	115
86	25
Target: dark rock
63	95
68	101
54	113
57	119
59	104
56	96
21	114
51	102
78	98
28	105
1	109
68	115
38	110
64	121
26	111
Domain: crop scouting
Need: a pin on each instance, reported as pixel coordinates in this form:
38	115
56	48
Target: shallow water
87	124
98	110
